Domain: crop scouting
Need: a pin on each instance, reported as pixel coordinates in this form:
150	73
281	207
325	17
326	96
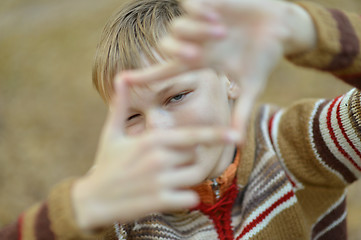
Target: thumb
242	112
117	114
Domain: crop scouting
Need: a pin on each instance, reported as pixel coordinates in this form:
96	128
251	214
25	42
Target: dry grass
50	115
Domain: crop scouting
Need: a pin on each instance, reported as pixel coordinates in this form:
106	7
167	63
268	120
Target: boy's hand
137	175
244	39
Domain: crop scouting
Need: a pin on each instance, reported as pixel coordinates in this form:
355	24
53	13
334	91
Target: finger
182	177
201	11
159	72
264	56
188	52
178	199
243	9
164	200
197	31
190	137
165	158
241	114
118	106
144	175
144	204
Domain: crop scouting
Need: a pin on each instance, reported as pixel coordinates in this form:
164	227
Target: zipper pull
215	187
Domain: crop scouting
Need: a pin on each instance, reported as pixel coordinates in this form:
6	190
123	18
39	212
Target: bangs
131	40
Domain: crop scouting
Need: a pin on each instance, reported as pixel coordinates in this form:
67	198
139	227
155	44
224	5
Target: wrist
79	200
302	30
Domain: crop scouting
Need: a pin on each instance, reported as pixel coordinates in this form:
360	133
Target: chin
210	158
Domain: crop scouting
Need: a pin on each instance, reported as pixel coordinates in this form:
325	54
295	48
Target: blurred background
50	114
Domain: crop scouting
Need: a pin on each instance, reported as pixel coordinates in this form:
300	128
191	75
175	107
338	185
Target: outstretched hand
243	39
138	175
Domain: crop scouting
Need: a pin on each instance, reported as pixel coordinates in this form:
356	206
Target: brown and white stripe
320	147
273	126
193	225
269	191
338	46
338	147
331	224
354	108
348	42
11	232
43	229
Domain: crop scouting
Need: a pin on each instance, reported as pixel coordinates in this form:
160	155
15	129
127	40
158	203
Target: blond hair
131	35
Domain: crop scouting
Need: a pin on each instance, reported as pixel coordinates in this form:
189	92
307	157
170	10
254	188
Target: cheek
135	129
204	111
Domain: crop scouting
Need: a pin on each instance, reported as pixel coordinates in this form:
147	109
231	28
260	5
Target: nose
158	118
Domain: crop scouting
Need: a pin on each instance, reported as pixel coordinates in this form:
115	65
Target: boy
165	137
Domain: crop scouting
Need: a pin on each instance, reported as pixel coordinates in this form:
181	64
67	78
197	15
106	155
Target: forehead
205	77
191	76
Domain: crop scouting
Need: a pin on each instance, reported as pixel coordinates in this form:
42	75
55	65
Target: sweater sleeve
319	141
338	46
52	219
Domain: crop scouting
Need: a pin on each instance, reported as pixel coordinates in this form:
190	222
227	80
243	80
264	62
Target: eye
177	98
133	116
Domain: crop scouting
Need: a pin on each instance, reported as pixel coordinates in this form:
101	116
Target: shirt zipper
216	189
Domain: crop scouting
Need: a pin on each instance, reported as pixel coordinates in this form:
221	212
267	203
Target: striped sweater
292	172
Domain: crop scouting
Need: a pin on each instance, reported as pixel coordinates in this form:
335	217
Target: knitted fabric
220	212
294	168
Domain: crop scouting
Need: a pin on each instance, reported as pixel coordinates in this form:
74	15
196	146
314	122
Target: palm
246	54
249	52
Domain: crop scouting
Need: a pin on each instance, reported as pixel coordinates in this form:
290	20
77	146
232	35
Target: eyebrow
166	89
184	82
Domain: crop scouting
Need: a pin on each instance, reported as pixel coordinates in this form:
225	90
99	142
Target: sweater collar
211	190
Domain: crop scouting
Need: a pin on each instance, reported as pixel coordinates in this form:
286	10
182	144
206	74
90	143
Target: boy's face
198	98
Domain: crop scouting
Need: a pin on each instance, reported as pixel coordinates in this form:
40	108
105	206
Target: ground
50	114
